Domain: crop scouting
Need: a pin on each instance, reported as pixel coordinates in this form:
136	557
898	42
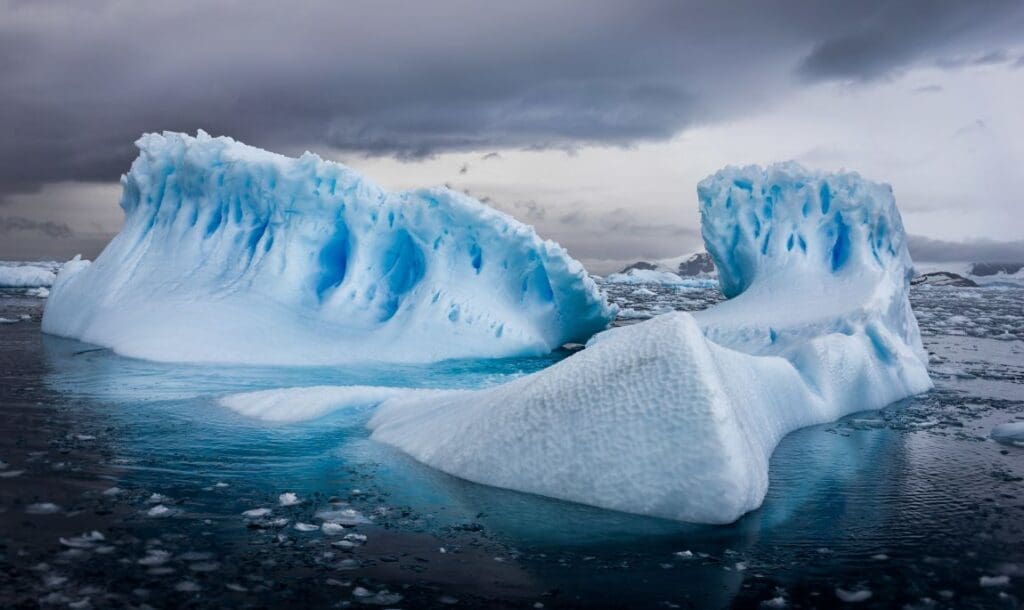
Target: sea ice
233	254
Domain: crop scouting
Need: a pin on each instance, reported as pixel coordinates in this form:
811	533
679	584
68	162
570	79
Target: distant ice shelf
233	254
678	416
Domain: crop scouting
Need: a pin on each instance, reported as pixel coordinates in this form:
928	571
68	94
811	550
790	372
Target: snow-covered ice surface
234	254
678	417
915	502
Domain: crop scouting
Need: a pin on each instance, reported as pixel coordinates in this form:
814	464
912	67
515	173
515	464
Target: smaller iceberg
15	274
234	254
678	416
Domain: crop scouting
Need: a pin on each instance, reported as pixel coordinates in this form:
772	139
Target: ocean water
910	506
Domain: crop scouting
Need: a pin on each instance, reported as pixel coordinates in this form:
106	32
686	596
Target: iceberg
27	274
678	416
234	254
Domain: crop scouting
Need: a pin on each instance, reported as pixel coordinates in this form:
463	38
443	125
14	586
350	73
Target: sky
592	120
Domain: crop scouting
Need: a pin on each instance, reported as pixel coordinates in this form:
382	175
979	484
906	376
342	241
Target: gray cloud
925	249
80	81
15	224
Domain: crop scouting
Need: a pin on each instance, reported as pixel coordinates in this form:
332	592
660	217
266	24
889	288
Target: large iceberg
678	416
233	254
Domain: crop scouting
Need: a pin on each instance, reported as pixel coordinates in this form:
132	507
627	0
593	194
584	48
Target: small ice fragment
361	592
10	474
42	508
344	516
221	484
155	557
306	527
880	557
775	602
156	499
159	511
332	529
1011	433
187	586
683	554
205	566
288	499
113	491
354	537
740	566
256	513
853	597
994	581
236	588
53	581
84	541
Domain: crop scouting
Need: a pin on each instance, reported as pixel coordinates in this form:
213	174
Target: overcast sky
591	120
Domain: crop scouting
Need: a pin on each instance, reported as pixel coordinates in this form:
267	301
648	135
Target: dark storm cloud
17	224
925	249
80	81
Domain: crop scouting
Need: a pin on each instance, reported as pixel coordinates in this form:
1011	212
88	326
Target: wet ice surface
135	488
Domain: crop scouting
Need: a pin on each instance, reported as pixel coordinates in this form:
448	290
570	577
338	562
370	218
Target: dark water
910	506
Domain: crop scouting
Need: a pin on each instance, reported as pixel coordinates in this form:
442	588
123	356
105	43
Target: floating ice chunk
344	516
155	557
306	527
332	529
234	254
256	513
775	602
994	581
28	274
85	541
853	597
678	416
288	499
1011	433
160	511
42	508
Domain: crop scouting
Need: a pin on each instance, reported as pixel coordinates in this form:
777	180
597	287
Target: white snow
678	416
234	254
16	274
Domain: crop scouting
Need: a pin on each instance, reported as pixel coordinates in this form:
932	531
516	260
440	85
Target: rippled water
911	505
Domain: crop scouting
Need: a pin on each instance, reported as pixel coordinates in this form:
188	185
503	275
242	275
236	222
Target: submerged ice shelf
678	416
233	254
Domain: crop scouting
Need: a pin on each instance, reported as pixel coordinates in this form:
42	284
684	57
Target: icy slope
233	254
678	416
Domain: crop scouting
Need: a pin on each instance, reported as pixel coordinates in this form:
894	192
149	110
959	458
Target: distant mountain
986	269
943	278
697	264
